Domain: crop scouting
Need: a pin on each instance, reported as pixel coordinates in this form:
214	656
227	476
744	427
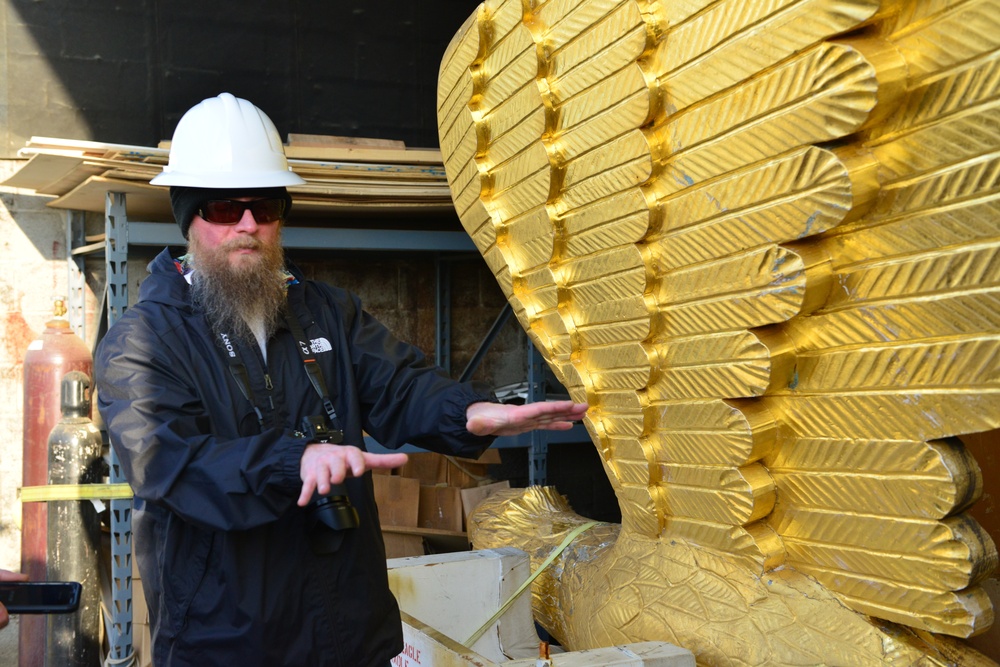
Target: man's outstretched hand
501	419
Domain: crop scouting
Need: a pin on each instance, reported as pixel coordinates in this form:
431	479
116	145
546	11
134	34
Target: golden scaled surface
760	239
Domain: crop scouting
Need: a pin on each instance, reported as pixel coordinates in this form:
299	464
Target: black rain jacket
222	548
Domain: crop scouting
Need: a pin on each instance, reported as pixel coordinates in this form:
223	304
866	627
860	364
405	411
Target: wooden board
472	497
397	499
51	174
440	508
84	147
344	176
360	154
150	203
402	546
328	140
143	201
428	467
435	540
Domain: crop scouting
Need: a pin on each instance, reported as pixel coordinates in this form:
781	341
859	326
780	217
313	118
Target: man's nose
247	222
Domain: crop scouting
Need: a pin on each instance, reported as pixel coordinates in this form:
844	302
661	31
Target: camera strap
239	373
315	376
238	370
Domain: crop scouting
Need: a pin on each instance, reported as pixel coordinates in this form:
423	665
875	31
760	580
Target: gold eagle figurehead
760	238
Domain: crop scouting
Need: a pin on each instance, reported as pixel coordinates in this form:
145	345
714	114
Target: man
236	394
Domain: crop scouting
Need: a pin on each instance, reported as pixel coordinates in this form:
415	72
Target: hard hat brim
268	179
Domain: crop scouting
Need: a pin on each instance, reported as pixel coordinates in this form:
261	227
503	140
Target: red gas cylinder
50	356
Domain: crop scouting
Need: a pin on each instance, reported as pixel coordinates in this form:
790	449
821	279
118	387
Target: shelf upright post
75	282
116	258
538	449
442	314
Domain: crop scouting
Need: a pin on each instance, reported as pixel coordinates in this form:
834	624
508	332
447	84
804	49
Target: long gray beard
246	302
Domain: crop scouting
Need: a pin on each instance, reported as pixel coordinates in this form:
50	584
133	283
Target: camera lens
335	511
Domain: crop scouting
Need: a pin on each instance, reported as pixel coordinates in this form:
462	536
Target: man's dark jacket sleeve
164	430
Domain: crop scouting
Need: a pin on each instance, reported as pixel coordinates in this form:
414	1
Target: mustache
246	243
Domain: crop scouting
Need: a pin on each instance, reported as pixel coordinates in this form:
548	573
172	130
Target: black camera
333	510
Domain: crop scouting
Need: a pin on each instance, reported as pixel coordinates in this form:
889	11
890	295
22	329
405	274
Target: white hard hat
226	142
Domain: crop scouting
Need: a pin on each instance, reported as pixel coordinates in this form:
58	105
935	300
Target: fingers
7	575
547	412
336	472
555	426
384	461
308	488
501	419
324	465
562	410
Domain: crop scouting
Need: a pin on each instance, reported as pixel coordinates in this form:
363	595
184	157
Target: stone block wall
125	72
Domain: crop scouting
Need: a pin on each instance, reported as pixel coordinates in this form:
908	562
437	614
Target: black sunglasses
230	211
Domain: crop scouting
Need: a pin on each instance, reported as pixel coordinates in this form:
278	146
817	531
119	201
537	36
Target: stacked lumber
344	176
424	505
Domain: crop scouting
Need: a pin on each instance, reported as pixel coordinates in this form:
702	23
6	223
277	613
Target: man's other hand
7	575
324	465
502	419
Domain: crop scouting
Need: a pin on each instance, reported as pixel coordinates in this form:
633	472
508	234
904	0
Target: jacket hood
165	283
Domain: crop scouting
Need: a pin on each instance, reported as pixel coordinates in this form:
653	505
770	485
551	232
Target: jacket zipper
268	385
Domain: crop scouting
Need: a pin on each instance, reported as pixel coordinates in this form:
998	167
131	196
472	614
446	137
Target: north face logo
320	345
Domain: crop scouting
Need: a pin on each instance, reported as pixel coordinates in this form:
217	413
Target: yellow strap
36	494
527	583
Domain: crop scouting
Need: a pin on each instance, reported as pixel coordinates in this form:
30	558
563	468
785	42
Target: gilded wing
760	239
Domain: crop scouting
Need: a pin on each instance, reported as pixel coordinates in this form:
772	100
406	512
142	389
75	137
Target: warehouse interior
88	87
124	73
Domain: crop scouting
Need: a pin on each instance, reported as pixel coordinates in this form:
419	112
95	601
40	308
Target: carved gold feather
759	238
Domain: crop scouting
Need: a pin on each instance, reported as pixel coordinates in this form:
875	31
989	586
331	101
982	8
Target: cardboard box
428	467
398	545
490	457
397	499
433	469
440	508
464	475
472	497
